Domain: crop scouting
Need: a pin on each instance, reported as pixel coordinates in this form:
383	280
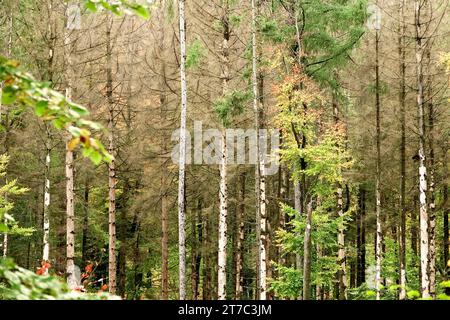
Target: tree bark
112	266
432	204
402	102
361	238
240	236
307	254
424	235
379	235
182	155
85	221
70	214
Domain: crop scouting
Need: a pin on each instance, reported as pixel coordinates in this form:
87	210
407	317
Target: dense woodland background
362	101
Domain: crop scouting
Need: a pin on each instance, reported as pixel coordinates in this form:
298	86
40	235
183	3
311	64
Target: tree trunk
85	221
195	251
402	102
182	155
45	214
223	197
361	238
240	236
307	254
424	243
70	214
46	218
432	205
446	244
223	193
379	235
112	266
163	190
342	273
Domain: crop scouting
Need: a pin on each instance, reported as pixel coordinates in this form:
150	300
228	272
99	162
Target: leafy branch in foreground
17	283
23	90
118	7
7	222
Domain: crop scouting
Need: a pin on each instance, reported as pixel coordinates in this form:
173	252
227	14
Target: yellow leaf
73	143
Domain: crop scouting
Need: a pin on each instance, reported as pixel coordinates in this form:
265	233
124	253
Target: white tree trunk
46	218
262	239
70	214
223	197
378	243
424	281
182	159
259	179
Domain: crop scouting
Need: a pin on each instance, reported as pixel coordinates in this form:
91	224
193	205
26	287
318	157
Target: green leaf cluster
231	105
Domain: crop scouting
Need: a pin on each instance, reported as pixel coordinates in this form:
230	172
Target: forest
224	149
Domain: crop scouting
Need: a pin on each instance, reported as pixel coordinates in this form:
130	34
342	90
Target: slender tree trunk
122	257
163	190
182	155
414	231
240	236
283	198
70	214
402	102
45	214
307	254
223	197
46	218
261	252
424	236
85	221
379	235
432	204
342	273
223	193
263	236
206	258
112	266
446	244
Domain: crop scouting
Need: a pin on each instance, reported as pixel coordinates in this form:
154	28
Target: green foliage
323	234
119	7
7	222
195	54
17	283
231	105
272	30
23	90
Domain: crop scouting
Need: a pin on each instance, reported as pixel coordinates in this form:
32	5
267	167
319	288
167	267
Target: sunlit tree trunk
223	193
45	215
342	273
432	204
223	199
70	214
182	159
424	236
